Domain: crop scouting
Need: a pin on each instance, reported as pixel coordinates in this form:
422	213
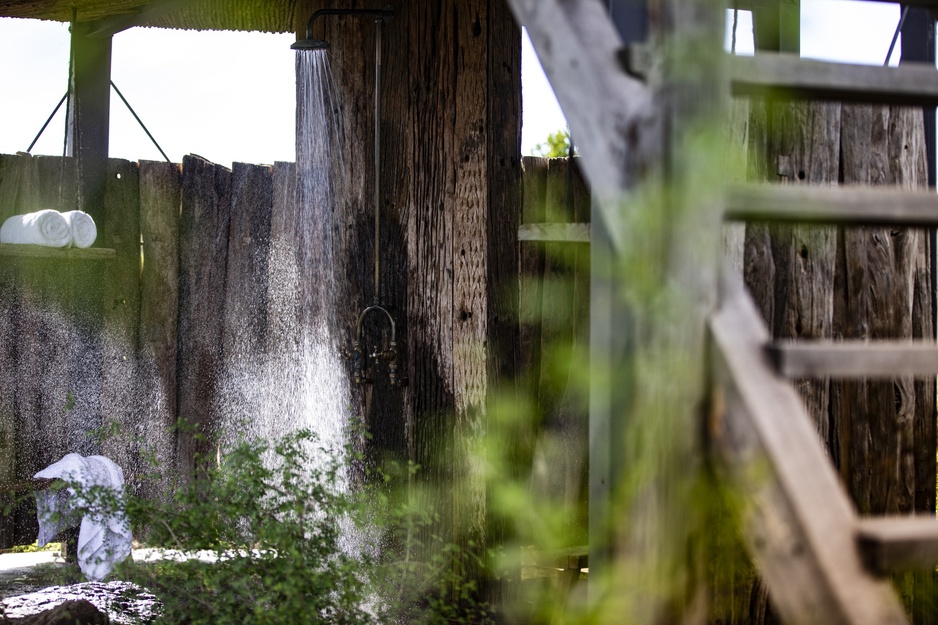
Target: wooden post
88	125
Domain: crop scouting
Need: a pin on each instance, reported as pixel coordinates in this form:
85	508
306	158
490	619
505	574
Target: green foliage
263	539
557	145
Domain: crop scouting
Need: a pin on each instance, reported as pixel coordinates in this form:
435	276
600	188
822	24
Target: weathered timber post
450	184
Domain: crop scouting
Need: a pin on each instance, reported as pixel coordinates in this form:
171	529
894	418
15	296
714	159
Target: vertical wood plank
244	328
120	402
203	253
160	206
470	262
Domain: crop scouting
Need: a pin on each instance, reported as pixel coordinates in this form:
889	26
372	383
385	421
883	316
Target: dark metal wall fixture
360	358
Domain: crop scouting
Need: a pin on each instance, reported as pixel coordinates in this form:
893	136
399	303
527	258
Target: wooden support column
89	119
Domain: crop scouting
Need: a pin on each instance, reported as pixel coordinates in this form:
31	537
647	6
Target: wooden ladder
820	561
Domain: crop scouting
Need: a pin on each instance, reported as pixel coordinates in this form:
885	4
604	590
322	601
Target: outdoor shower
359	357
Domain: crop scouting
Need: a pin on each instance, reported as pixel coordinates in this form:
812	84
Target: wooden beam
8	250
555	232
749	5
797	520
784	76
111	26
888	359
899	543
89	122
832	205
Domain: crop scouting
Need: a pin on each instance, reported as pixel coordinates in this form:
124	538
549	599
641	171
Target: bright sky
230	96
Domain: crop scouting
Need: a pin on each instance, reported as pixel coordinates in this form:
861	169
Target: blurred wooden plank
836	205
797	520
25	251
555	233
160	202
203	256
120	400
784	76
859	359
899	543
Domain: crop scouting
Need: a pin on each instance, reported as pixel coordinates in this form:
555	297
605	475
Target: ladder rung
832	205
899	543
788	76
854	359
748	5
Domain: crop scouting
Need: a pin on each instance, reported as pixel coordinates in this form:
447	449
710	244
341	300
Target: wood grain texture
160	207
120	391
203	253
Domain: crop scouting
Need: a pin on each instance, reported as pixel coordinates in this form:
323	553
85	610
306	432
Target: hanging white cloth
104	537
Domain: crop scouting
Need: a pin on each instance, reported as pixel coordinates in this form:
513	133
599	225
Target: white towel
84	232
45	227
103	539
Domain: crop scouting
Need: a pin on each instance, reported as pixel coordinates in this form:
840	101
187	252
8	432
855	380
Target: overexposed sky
231	96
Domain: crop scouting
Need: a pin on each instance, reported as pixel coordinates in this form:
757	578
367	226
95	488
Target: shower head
310	44
381	15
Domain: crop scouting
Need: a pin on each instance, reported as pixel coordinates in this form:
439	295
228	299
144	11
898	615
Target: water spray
359	357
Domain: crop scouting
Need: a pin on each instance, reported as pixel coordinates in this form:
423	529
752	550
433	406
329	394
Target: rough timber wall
450	202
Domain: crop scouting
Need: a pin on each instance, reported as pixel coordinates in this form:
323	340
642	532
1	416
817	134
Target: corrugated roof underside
275	16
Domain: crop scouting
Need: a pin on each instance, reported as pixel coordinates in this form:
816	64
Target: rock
72	612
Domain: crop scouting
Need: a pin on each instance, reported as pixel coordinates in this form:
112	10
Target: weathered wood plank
783	76
899	543
120	401
554	232
532	269
203	253
888	359
160	204
9	250
747	5
797	520
834	205
244	326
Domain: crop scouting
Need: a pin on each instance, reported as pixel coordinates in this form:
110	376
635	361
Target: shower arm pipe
361	318
377	295
380	15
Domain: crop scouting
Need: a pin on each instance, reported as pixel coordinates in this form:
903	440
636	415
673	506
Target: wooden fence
106	350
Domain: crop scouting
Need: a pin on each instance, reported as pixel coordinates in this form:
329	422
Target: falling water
304	380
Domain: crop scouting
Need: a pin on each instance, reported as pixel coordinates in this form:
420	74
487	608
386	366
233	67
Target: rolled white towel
45	227
84	232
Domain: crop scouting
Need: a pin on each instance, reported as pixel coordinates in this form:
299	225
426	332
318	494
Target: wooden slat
9	250
797	520
899	543
160	201
890	359
748	5
787	76
203	255
835	205
557	233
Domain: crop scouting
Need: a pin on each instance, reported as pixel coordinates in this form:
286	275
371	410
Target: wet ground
34	582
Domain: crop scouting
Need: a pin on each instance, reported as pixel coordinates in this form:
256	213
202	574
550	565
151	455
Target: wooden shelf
8	250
